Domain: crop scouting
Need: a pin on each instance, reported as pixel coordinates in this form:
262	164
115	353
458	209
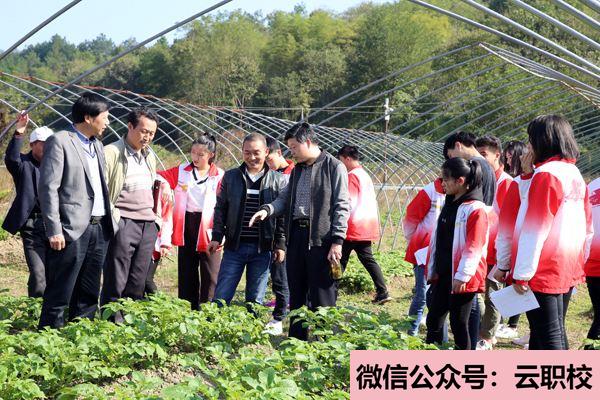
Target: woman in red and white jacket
551	228
419	222
456	266
592	265
195	188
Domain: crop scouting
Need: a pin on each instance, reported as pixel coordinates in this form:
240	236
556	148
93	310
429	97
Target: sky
123	19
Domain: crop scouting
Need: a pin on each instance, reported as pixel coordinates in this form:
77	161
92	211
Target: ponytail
475	178
471	170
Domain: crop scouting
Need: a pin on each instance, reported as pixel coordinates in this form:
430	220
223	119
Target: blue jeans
417	306
420	299
232	268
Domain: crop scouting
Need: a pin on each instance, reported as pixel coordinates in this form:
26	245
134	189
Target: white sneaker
522	341
274	328
506	332
483	345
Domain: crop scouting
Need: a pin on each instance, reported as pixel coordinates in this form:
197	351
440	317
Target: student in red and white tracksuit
419	222
551	229
279	282
592	265
363	224
163	245
195	188
490	148
456	266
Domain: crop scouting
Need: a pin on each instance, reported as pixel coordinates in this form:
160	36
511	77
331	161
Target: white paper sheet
421	255
509	303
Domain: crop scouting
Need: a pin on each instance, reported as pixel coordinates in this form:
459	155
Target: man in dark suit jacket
75	207
24	215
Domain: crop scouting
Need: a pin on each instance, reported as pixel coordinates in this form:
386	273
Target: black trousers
546	323
566	301
365	256
150	287
458	305
73	277
35	247
474	323
593	284
309	277
197	273
128	259
279	283
513	321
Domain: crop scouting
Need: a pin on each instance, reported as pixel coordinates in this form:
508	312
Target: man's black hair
134	115
90	104
467	139
348	150
272	144
491	142
302	132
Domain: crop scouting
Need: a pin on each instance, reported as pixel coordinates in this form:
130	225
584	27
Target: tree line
288	63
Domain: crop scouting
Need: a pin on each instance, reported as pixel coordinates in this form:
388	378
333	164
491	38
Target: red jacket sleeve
477	232
506	226
415	213
502	191
170	175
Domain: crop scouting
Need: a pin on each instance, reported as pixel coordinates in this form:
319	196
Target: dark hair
135	114
516	149
491	142
301	132
204	139
552	135
465	138
90	104
272	144
254	137
349	151
471	170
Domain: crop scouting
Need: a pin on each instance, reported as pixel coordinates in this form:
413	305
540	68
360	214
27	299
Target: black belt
95	220
302	223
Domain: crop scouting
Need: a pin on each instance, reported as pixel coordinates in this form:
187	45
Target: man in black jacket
24	215
317	206
243	190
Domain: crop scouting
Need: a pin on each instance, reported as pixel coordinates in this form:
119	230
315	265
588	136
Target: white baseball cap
42	133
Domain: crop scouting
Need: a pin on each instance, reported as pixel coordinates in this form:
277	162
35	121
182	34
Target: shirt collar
131	151
82	137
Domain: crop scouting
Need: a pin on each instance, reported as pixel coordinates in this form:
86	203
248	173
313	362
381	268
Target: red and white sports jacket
508	229
166	229
363	223
592	266
469	247
179	178
289	168
503	181
421	218
552	229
